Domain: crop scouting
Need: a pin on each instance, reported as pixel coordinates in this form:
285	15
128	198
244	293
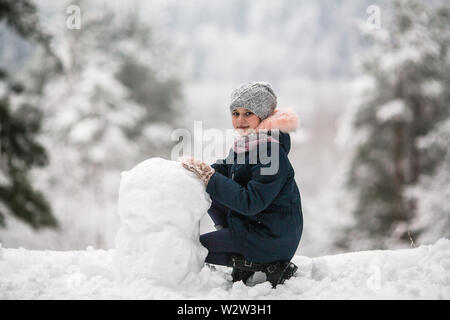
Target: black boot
242	268
279	271
241	275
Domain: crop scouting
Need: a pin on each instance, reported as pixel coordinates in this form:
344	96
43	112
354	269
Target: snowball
160	206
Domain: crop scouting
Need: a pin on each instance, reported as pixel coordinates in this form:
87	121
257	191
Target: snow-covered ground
158	256
417	273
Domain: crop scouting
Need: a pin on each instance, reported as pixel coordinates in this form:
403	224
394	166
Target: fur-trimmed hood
285	120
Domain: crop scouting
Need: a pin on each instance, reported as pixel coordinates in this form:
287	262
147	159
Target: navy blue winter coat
264	212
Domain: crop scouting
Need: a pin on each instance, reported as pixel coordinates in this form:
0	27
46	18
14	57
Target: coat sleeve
221	168
259	193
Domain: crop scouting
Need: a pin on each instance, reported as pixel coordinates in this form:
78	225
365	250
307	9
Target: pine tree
432	219
410	72
20	124
20	15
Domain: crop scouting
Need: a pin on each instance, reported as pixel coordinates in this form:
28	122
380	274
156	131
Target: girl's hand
201	169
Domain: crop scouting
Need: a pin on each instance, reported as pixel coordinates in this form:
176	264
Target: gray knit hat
257	97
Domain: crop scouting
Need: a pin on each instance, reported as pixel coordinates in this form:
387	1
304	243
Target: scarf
250	142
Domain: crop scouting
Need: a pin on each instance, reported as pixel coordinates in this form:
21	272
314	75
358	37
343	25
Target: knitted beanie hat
258	97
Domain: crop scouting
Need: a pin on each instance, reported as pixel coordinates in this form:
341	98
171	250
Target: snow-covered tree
20	126
409	100
432	219
116	88
112	105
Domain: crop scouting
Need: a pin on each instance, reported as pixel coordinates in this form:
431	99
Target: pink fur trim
285	120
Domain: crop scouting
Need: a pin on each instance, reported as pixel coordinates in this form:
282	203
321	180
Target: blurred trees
20	125
432	190
409	104
109	96
113	104
432	219
116	90
21	16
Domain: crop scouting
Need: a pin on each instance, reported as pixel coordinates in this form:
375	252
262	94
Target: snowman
160	206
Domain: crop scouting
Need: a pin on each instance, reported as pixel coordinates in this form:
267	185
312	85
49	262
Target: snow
416	273
395	110
160	206
432	191
432	88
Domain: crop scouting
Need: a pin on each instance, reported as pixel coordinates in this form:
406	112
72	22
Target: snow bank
160	206
419	273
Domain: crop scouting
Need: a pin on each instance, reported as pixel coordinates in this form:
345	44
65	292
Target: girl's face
243	119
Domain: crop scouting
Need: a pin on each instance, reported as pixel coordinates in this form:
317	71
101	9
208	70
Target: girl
256	206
